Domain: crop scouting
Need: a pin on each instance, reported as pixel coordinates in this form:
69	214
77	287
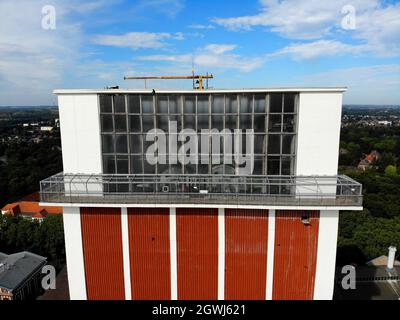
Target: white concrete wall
318	133
80	133
74	253
326	258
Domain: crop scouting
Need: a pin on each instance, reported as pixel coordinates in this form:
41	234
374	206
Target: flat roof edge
255	90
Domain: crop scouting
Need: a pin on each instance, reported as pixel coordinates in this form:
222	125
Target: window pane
109	164
105	103
288	123
121	143
217	122
273	165
259	123
189	104
259	104
148	123
289	102
274	124
259	145
162	122
274	144
231	122
246	103
135	143
231	103
287	166
108	143
122	165
136	164
134	123
218	104
162	104
119	103
175	104
106	123
133	103
202	122
245	121
287	144
162	168
203	168
189	122
275	102
120	123
202	103
147	104
148	168
258	165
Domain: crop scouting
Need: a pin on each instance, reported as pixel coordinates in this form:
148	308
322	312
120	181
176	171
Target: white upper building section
318	129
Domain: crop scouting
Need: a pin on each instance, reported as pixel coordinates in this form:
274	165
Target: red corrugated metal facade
295	255
197	253
246	244
102	251
149	243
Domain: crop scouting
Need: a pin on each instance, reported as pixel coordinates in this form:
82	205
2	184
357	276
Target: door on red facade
246	244
149	250
295	256
102	253
197	253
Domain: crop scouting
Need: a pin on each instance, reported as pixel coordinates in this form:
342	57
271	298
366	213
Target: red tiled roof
29	206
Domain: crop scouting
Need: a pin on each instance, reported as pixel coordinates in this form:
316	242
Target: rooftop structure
187	173
20	275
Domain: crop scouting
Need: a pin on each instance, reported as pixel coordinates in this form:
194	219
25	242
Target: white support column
270	254
126	254
74	253
221	254
174	263
326	255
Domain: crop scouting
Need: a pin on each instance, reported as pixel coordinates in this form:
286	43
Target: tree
391	171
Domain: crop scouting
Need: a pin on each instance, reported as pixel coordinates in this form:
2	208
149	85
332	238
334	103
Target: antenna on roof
196	85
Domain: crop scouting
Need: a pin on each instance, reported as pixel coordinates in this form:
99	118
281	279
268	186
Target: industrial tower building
201	194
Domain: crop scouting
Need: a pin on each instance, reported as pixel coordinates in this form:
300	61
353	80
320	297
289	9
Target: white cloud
220	48
202	26
312	50
376	84
215	56
137	40
377	23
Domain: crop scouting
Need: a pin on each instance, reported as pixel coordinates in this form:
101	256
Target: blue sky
265	43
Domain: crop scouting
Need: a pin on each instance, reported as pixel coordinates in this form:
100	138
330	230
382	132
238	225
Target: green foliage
368	234
391	171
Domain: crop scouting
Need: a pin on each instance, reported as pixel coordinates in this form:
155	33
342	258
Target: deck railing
202	189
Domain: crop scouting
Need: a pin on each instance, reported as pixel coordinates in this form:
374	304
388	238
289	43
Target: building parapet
328	191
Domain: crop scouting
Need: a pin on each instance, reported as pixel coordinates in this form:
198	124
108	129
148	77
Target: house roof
381	261
16	268
29	205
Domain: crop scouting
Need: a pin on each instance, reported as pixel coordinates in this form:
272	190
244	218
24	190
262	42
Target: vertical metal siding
246	244
102	251
295	255
197	253
149	245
